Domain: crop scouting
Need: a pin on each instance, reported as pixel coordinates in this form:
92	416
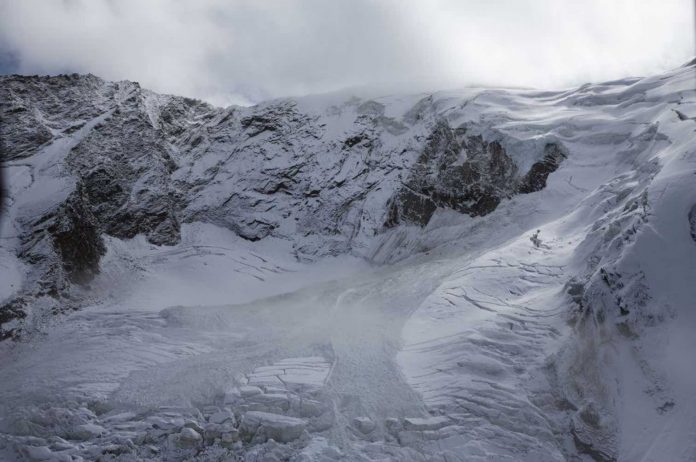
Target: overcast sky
243	51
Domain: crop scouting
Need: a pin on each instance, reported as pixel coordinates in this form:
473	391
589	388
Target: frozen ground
557	328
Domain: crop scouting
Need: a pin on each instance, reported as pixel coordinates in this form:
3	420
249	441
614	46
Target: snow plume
244	51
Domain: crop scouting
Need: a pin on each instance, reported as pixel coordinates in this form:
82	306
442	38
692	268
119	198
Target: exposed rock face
64	247
66	243
127	182
10	312
77	238
35	110
535	179
454	170
329	177
465	173
692	222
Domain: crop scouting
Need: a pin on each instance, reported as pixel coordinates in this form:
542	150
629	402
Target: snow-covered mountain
474	275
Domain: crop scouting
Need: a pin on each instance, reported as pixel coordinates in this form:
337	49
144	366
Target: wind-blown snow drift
481	275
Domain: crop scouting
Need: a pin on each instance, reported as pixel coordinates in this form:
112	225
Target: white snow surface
461	341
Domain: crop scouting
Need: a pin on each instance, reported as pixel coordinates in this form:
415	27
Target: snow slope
342	279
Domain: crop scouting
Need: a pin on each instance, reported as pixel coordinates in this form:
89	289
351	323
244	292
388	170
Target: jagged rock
535	179
77	238
10	312
465	173
592	435
44	106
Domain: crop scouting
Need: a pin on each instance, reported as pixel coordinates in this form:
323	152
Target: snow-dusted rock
225	415
249	390
59	444
189	423
274	426
213	431
426	423
189	437
118	418
232	395
271	401
38	453
393	425
364	424
296	374
166	423
229	437
87	431
311	408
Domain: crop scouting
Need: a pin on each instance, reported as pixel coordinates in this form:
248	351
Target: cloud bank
244	51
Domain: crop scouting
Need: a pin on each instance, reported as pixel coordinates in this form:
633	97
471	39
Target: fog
244	51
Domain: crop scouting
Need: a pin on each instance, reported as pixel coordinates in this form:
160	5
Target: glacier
484	274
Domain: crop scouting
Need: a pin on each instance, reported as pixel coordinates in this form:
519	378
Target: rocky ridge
330	178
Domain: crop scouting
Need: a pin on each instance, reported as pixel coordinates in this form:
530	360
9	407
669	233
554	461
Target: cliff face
329	175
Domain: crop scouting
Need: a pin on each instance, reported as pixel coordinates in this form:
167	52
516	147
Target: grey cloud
242	51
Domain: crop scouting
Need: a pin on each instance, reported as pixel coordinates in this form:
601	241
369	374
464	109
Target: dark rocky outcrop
67	242
77	238
125	167
535	179
64	247
465	173
12	310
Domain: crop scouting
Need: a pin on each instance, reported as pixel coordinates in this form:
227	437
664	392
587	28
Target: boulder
222	416
249	390
36	453
311	408
364	424
275	426
272	401
87	431
189	437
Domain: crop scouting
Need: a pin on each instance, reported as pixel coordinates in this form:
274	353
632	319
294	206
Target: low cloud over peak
243	51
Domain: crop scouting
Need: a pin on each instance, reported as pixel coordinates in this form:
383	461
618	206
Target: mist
243	51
